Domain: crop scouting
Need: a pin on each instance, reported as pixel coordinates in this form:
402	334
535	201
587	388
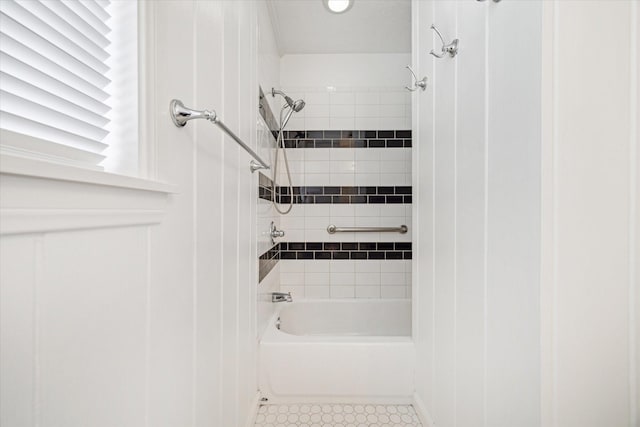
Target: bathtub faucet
281	297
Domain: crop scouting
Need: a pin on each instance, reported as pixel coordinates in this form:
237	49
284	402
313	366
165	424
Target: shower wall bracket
180	115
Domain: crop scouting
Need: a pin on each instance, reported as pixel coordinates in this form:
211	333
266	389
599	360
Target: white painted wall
525	229
130	306
477	208
590	215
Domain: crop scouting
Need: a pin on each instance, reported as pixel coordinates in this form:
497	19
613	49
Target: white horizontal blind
53	68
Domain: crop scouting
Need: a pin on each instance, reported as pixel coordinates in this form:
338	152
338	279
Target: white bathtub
338	350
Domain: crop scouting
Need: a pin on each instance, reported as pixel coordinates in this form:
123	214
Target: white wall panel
513	218
590	216
141	324
470	214
477	315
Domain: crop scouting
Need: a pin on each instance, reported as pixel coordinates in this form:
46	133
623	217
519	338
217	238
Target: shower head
294	105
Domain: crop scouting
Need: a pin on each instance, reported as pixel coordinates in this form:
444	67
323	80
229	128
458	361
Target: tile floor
336	415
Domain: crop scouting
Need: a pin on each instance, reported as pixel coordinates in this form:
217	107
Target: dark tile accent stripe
265	112
338	195
267	261
345	250
347	138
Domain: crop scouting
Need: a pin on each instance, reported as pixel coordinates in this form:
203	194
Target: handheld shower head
294	105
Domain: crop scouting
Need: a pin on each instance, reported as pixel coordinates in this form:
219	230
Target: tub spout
281	297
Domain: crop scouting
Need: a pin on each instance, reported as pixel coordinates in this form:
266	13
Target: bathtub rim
273	335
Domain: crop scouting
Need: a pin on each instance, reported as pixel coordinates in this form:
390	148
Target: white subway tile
342	154
318	167
366	167
294	235
367	179
292	279
342	210
342	166
392	98
291	266
393	266
315	154
342	266
368	123
313	123
336	98
316	179
392	167
389	110
342	179
316	110
367	279
342	111
392	122
316	279
292	223
392	279
368	266
341	123
317	266
319	210
392	292
317	292
368	155
396	210
317	222
317	97
367	110
314	235
343	291
367	291
343	279
367	98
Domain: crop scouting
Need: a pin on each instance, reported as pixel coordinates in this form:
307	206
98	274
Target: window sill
38	197
13	165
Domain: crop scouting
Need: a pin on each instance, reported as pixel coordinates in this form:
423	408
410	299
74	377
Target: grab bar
332	229
181	115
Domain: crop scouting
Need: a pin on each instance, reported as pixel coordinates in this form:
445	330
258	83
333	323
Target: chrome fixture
180	115
274	233
422	84
294	107
332	229
281	297
450	49
338	6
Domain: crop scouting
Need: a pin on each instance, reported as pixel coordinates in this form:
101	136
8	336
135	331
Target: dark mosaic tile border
347	139
339	195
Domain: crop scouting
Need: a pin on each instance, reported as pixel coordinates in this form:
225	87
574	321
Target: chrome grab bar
332	229
180	115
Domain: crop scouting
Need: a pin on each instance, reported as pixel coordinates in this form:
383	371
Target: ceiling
370	26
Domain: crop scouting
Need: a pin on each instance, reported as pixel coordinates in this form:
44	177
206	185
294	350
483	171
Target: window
68	71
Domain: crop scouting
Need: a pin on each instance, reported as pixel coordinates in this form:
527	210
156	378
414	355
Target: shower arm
180	115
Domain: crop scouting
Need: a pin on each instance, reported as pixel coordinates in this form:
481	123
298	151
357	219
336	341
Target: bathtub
338	350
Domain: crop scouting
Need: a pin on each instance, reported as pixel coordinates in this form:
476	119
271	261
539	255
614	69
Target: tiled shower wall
349	153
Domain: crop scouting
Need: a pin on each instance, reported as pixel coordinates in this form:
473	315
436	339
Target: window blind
53	79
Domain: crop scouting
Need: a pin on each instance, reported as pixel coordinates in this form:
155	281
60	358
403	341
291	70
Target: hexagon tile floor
336	415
